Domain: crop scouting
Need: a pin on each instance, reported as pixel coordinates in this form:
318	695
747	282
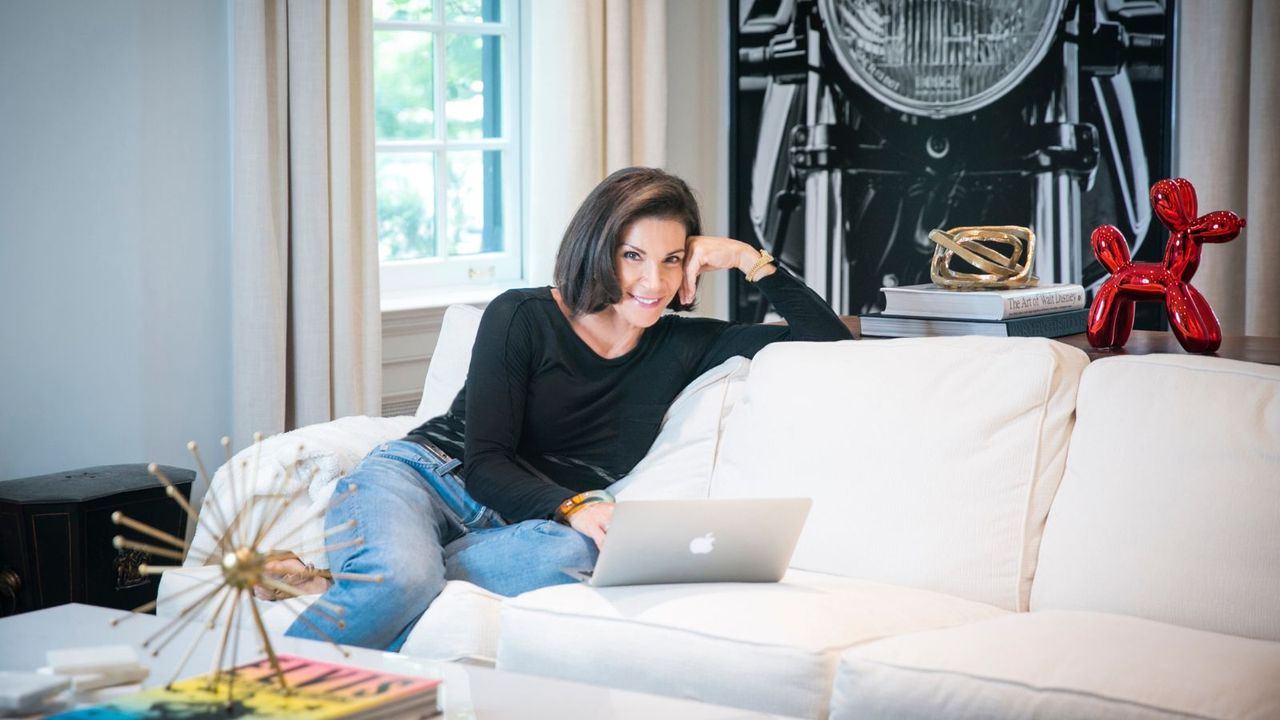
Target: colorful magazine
318	690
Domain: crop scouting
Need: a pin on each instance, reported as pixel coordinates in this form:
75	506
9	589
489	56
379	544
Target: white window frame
443	276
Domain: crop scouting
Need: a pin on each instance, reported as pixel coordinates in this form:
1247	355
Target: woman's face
650	268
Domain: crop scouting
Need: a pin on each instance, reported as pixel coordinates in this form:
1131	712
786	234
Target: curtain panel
1228	146
597	103
306	335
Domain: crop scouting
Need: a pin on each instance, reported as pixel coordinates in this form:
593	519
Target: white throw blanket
264	476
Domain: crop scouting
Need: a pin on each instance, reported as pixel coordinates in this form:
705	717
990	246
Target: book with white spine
929	300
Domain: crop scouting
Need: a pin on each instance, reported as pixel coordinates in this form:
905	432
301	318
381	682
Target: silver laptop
686	541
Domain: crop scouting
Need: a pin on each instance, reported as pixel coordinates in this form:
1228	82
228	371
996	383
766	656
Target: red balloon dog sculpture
1193	321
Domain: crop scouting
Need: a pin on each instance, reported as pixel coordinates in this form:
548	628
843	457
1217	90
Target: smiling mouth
646	301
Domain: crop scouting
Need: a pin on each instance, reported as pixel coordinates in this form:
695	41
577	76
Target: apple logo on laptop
702	545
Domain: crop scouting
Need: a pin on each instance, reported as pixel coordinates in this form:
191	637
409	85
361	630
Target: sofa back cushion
680	461
450	360
1170	504
931	461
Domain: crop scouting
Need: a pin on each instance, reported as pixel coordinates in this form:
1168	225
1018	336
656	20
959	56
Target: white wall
114	232
698	121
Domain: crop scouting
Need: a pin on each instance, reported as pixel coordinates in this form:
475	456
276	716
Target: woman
565	393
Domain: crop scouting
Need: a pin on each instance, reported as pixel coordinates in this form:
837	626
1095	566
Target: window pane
406	206
475	202
419	10
403	93
472	10
473	104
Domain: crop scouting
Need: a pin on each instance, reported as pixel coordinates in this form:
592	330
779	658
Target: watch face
939	57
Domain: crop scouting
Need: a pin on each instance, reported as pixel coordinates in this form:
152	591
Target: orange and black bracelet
579	501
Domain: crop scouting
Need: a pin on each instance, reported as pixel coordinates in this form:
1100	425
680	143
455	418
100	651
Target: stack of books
922	310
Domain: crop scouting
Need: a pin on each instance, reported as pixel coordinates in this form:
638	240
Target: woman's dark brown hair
585	272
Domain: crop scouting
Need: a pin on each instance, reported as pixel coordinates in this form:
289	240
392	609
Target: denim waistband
440	472
448	464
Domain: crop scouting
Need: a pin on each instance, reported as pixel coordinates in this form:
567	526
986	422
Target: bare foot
294	573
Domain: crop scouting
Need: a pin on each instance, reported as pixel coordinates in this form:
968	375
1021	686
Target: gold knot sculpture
1002	254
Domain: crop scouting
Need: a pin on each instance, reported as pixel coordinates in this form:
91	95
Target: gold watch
764	259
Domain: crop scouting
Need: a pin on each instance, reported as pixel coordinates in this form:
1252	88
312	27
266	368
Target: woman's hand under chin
708	252
593	521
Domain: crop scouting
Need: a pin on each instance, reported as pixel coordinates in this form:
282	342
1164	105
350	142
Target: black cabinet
56	531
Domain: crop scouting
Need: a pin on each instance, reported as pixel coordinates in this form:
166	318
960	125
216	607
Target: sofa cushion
680	461
1170	505
462	623
931	461
450	360
1060	664
763	646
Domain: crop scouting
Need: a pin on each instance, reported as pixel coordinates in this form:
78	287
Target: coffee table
469	691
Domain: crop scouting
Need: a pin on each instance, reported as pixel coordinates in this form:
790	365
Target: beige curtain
1229	147
306	336
597	102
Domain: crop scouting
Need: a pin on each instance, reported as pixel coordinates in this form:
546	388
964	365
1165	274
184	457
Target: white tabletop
469	692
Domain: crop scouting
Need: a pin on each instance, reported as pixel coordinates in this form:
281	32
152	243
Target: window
446	119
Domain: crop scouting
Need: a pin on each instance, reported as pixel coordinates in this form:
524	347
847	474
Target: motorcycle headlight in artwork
939	58
866	123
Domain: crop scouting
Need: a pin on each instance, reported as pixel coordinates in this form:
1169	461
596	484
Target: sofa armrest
259	477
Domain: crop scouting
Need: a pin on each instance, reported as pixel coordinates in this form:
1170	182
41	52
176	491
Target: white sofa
1000	529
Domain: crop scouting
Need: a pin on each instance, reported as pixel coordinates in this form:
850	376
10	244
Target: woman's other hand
593	521
292	572
708	252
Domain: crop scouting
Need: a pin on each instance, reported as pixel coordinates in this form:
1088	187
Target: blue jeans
421	528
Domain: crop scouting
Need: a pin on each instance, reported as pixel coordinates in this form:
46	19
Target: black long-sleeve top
547	418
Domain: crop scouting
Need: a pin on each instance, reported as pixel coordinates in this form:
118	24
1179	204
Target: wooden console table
1249	348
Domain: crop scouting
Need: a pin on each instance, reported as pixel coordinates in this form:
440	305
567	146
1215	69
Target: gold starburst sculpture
981	246
240	545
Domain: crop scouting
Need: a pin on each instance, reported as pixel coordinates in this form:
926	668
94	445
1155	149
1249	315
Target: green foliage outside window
404	111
